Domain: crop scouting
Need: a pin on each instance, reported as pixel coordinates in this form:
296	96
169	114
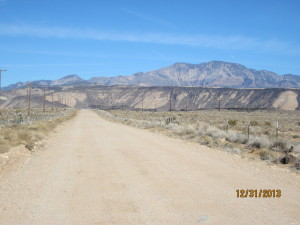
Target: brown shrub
279	146
264	154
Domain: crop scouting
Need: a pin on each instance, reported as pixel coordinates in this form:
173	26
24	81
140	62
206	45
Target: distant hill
210	74
70	80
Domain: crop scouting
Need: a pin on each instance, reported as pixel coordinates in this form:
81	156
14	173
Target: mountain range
209	74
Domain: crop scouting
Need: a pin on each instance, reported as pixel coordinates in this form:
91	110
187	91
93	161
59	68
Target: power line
171	95
186	104
52	102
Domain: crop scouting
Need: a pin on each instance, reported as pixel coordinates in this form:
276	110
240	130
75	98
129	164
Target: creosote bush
279	146
267	123
264	154
254	123
232	123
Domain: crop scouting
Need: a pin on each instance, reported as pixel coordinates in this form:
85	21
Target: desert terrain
94	171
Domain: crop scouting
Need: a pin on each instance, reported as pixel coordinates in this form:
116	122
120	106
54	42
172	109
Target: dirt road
93	171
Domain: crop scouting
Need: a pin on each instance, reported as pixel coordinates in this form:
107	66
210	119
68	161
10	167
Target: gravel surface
93	171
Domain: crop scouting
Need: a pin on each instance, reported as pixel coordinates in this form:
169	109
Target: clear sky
48	39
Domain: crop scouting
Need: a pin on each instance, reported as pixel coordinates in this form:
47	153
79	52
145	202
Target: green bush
232	123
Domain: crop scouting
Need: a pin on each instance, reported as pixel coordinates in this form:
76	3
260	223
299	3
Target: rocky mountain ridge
64	81
210	74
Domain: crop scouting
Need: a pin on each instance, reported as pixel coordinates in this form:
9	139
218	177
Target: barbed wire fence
11	117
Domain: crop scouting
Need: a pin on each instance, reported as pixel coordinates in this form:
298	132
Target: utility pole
219	104
1	77
44	100
142	105
186	104
170	109
52	102
29	97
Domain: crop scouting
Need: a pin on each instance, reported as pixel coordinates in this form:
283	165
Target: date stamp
258	193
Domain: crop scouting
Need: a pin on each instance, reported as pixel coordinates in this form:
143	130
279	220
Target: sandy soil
97	172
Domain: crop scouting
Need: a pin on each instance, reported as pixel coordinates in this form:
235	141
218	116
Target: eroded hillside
154	98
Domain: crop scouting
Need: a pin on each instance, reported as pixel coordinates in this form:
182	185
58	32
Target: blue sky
48	39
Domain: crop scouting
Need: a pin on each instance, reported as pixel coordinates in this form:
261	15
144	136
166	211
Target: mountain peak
72	76
67	80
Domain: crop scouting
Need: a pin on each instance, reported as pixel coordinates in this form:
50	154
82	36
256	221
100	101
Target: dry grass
225	130
29	134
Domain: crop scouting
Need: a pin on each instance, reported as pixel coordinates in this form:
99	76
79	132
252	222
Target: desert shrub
33	128
148	124
279	146
295	136
264	154
185	131
236	138
267	123
29	145
255	144
172	126
287	159
206	140
298	123
254	123
297	164
232	123
258	142
215	132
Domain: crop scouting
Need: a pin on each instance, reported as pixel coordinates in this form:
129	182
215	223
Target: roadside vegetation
273	136
17	129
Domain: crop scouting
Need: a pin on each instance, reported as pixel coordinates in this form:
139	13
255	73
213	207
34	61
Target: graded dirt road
93	171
